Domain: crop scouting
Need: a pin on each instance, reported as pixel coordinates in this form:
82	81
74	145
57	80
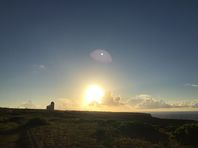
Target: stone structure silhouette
51	106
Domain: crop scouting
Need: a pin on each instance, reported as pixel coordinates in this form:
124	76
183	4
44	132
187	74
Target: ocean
188	115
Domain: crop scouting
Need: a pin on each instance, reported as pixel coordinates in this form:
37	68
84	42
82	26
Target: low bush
187	134
36	122
142	131
136	143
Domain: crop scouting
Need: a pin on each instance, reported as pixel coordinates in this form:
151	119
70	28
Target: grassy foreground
73	129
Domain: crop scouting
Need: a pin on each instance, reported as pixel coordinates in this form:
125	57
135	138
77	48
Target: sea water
188	115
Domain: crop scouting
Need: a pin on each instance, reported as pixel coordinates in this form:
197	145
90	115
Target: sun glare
94	94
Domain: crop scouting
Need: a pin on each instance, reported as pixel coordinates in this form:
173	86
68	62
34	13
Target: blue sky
45	47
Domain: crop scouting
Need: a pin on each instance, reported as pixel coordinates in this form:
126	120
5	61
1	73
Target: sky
150	52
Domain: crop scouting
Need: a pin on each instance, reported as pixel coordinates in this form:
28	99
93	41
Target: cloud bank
114	103
147	102
144	101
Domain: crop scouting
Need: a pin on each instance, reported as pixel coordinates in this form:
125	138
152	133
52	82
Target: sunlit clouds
110	102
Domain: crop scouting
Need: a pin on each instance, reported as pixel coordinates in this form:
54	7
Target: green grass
74	129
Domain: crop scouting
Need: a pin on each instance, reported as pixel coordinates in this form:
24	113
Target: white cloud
145	101
194	85
110	100
67	104
186	104
38	68
110	103
195	105
42	67
191	84
28	104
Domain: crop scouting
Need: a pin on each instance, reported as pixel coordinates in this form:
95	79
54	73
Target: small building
51	106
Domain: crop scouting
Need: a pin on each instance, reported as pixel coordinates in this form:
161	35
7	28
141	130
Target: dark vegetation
187	134
72	129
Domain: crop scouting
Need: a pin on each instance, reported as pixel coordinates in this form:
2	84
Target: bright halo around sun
94	94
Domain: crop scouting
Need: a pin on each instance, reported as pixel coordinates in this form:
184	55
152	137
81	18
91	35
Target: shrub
106	135
136	143
36	122
142	131
187	134
17	119
8	127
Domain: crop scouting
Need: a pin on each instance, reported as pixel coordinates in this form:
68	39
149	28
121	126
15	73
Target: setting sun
94	93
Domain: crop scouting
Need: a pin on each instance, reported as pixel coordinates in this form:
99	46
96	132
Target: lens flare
101	55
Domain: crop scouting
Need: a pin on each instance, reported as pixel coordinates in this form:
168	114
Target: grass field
72	129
